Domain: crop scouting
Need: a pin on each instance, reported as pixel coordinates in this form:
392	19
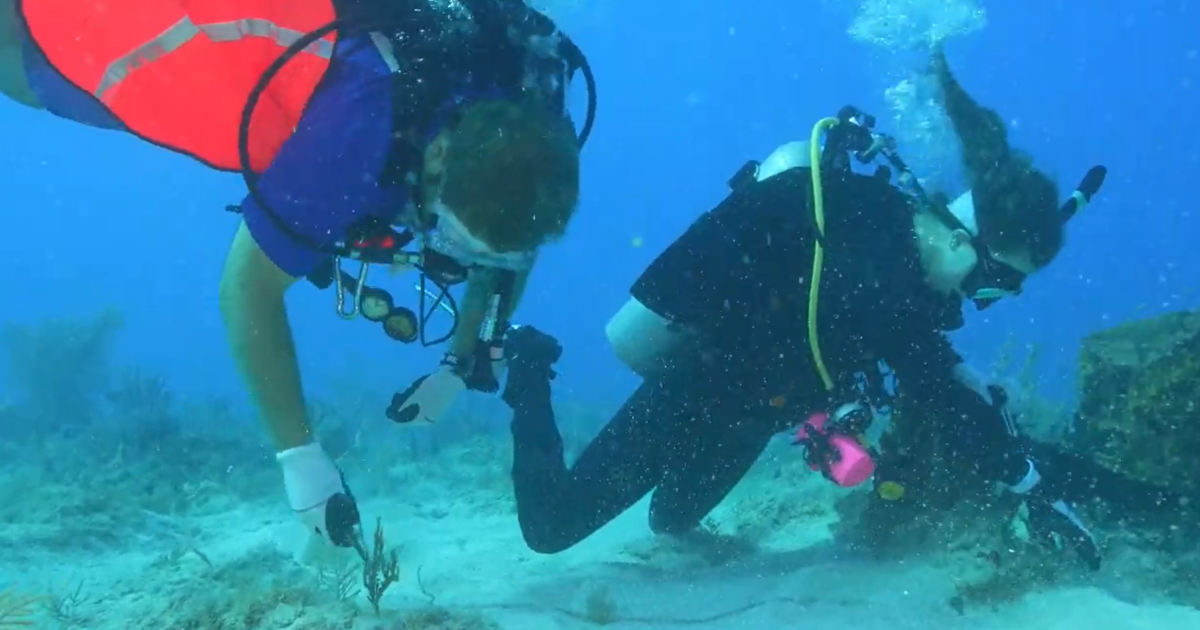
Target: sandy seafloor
464	566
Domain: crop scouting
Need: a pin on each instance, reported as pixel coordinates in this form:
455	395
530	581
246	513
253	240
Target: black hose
248	174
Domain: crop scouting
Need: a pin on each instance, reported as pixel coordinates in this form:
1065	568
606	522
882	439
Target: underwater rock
1140	398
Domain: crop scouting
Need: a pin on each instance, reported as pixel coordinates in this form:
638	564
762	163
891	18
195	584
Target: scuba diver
771	312
415	133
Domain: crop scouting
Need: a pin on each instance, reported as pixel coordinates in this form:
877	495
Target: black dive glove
481	372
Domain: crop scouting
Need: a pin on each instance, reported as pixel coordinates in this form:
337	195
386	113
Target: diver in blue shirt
428	135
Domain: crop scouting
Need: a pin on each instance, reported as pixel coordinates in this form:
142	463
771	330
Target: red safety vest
178	72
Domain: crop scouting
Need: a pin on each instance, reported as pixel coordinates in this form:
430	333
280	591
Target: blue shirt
326	176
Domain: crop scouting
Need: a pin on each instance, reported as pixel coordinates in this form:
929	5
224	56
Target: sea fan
16	609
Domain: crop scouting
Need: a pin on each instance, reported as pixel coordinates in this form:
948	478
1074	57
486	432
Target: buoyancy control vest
444	54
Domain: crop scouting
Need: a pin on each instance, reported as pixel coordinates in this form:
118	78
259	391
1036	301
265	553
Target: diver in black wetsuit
718	329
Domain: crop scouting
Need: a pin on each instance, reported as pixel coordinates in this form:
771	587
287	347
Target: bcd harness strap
851	134
436	49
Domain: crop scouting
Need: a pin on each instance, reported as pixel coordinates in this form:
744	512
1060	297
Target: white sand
468	548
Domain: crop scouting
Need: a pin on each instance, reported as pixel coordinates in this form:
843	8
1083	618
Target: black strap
505	288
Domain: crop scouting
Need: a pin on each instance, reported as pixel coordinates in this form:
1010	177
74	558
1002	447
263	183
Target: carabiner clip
340	290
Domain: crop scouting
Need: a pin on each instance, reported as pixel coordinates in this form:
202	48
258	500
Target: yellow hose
814	288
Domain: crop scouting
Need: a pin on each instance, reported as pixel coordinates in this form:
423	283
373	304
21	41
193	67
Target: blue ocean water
177	506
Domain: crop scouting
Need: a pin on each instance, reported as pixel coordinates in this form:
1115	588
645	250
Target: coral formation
1125	464
381	568
139	474
170	507
1140	395
60	368
262	588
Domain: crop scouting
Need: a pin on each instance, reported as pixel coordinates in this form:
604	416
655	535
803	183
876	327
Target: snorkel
993	280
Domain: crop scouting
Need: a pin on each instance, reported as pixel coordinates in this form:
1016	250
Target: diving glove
429	398
318	494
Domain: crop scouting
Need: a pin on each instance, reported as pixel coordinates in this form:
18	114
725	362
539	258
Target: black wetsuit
739	276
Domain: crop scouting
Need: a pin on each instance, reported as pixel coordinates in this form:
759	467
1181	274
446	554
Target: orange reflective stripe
178	72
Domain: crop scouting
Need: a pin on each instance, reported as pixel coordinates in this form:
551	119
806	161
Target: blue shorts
61	97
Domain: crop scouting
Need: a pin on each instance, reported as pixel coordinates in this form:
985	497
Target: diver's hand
317	492
429	398
483	371
1055	522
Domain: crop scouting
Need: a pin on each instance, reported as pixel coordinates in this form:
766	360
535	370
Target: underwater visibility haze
138	490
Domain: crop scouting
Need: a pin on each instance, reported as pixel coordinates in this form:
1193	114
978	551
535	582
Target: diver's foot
531	356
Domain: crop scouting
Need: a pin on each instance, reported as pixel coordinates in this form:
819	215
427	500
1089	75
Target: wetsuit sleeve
926	367
724	267
326	176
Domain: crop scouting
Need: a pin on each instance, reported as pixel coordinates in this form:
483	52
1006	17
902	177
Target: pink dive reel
828	449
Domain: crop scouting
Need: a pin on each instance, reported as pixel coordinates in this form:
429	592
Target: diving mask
991	280
449	237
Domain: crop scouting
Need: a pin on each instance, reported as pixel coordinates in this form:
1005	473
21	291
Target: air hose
1080	198
814	287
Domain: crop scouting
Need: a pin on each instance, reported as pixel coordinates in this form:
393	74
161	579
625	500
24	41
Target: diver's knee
641	338
545	540
664	523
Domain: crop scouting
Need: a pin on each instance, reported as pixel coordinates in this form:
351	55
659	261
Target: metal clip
441	303
340	290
